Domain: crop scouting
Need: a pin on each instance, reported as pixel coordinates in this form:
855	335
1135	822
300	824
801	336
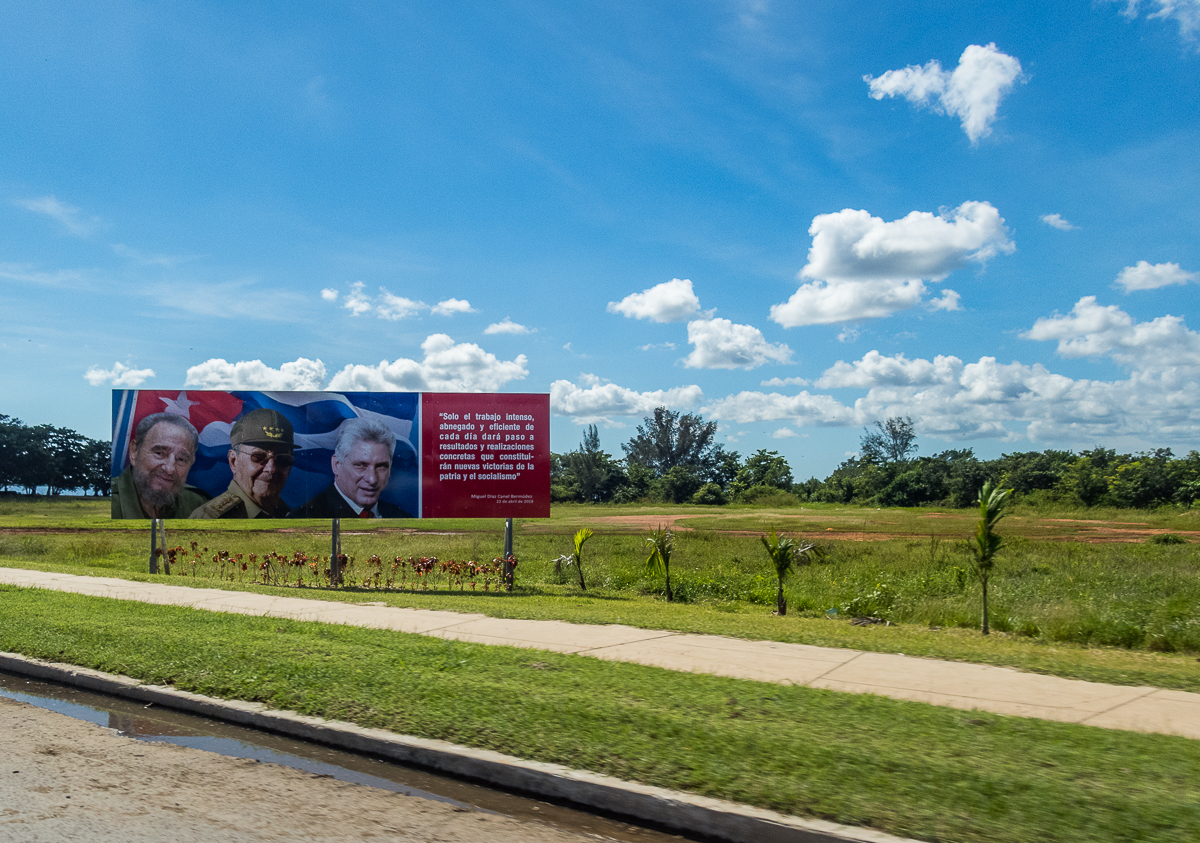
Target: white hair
363	430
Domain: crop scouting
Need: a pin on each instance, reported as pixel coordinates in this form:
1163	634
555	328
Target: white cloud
301	374
670	301
119	375
786	382
395	308
1145	276
356	301
817	410
600	401
972	92
784	433
68	216
451	306
949	300
1185	12
1056	221
446	367
1093	330
385	305
720	344
507	326
669	346
868	268
876	370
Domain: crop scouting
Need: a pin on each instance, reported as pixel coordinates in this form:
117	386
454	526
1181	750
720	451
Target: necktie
366	513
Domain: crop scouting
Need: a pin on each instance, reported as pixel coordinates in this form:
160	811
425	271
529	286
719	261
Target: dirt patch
65	779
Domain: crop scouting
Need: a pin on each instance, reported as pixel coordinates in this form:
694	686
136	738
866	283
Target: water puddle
149	722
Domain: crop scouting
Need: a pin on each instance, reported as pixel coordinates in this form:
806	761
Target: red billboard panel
485	455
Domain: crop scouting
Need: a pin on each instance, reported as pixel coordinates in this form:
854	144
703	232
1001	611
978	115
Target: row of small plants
301	570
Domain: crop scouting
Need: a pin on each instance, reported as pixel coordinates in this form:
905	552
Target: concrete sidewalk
954	684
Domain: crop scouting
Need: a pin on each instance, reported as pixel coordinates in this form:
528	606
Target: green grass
907	768
1112	612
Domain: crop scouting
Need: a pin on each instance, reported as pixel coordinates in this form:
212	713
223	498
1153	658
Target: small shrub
1167	538
710	494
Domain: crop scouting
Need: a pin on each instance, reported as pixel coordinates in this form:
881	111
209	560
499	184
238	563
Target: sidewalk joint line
857	653
1145	693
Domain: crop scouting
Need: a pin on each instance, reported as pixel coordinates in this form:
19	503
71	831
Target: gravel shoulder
65	779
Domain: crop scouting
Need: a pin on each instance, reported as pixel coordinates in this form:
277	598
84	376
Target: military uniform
235	503
125	503
264	429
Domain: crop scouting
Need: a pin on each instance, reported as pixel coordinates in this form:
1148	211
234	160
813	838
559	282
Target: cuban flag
317	418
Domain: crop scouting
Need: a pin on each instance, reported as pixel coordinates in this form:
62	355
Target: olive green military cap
263	428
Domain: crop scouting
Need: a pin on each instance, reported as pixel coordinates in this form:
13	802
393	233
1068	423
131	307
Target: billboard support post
157	526
335	554
154	545
508	552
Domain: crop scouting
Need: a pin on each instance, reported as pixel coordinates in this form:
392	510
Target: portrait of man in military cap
154	484
261	454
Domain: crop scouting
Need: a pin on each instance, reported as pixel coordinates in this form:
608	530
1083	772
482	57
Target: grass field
1126	612
911	769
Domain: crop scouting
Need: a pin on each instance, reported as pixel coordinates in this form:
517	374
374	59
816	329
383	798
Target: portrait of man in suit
362	467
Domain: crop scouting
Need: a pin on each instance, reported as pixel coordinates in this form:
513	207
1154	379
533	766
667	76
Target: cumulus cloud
301	375
119	375
874	369
447	367
395	308
960	401
599	401
948	300
1056	221
670	301
721	344
385	305
1145	276
972	92
1186	13
357	302
786	382
866	268
507	326
1091	330
784	433
805	409
68	216
451	306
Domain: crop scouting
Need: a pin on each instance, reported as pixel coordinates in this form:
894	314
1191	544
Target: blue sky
794	218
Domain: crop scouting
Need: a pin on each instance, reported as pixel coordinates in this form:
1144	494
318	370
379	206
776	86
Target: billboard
270	455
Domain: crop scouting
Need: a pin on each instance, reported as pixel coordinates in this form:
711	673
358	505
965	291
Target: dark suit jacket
330	504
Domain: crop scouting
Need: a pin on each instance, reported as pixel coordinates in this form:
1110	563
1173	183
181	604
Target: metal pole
154	545
162	526
335	573
508	549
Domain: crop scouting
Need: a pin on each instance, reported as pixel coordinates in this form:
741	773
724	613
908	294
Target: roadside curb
670	809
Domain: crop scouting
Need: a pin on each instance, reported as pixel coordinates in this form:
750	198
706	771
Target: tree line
673	458
54	457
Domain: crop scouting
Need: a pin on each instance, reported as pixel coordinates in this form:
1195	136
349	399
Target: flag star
179	406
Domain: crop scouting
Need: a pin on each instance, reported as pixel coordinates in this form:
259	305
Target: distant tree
764	468
669	439
892	441
596	474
